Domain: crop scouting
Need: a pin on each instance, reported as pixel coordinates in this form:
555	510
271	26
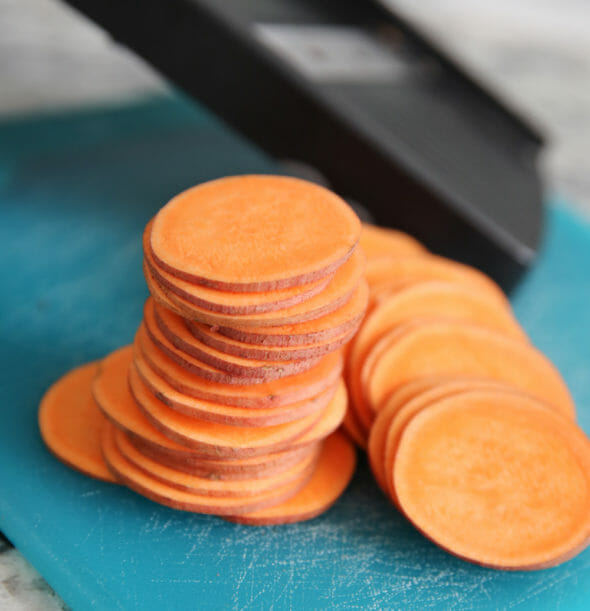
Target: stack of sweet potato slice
469	428
229	399
429	316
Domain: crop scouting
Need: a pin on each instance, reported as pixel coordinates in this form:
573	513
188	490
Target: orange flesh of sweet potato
154	341
227	302
366	412
228	414
142	483
400	417
223	468
262	233
499	481
211	337
111	391
337	292
255	484
452	348
325	328
212	438
70	422
378	241
332	475
409	398
177	333
265	394
399	271
417	386
436	299
329	421
351	426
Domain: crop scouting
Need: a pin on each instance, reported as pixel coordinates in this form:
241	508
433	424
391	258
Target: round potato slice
496	479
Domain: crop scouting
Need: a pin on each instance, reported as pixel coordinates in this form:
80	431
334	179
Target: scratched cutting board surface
75	193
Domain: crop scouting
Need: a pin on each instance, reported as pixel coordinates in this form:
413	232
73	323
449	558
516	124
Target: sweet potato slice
407	391
265	394
353	429
337	292
154	341
111	391
223	468
365	412
212	438
383	241
228	414
226	302
329	422
142	483
70	422
208	486
418	386
345	318
408	394
498	481
434	299
211	337
161	295
454	348
332	475
173	336
398	415
376	443
261	233
400	271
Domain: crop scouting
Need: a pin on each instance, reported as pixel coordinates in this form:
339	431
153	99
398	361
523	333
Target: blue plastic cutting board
75	192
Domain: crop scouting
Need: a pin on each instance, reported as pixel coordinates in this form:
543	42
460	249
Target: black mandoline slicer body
353	90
